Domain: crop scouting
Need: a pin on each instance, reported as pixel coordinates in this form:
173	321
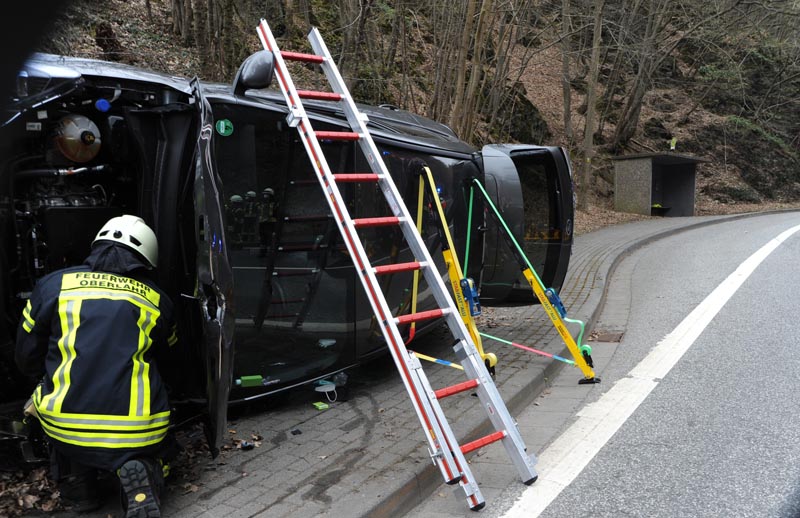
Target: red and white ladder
445	451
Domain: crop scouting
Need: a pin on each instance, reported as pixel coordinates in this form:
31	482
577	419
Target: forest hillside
718	78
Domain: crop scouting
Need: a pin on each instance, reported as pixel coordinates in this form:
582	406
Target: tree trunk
457	110
586	183
449	22
182	19
398	23
476	76
200	14
177	17
348	16
566	90
188	21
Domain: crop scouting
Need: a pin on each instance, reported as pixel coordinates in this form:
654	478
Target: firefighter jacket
93	331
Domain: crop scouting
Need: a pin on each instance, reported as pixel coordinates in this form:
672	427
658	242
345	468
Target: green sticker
224	127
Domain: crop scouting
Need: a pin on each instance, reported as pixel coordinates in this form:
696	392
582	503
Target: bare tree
566	81
655	45
446	26
464	113
461	64
586	182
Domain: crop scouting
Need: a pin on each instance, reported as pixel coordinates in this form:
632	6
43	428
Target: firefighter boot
140	480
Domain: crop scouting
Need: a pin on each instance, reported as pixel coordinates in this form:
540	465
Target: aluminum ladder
443	447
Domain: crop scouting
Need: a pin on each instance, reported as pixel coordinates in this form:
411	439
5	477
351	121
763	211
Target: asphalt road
718	434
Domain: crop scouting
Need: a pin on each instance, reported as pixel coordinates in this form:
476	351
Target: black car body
263	273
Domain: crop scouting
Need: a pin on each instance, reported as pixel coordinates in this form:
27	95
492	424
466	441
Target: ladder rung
483	441
319	96
398	267
422	315
456	389
337	135
357	177
376	222
299	56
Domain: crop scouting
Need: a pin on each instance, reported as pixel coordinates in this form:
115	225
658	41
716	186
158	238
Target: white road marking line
597	422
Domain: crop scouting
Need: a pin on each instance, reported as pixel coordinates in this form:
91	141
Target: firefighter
91	332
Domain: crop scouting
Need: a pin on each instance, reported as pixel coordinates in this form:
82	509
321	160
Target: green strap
508	231
579	341
469	231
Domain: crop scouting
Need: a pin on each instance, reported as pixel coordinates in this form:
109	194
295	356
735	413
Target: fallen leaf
28	501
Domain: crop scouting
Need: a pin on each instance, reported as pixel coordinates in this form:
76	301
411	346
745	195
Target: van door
214	276
533	191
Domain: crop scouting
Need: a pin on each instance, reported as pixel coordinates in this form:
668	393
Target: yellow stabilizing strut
555	317
539	290
453	266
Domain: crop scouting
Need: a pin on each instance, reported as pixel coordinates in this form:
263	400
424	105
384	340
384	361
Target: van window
293	281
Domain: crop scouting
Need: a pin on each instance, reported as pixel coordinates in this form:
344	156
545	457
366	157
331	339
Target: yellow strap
415	284
455	274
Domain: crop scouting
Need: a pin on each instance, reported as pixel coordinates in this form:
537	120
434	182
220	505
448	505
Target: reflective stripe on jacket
97	332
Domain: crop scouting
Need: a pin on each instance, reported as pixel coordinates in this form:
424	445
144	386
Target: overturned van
248	250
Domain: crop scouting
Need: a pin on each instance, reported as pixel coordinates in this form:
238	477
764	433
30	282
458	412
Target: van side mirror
255	72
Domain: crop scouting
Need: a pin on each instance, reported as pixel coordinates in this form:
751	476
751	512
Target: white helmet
132	232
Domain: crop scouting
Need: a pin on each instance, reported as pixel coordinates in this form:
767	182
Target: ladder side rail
443	453
467	481
296	110
392	195
498	413
345	223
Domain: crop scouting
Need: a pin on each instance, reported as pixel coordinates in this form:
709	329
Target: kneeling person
92	331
